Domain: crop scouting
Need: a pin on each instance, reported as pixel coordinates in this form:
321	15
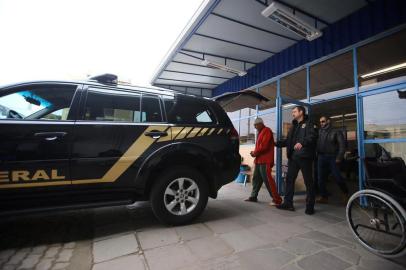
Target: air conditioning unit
224	67
284	17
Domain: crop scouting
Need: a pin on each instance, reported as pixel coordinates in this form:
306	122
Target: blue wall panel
367	22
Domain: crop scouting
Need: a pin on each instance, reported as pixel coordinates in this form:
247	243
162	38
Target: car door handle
50	136
155	134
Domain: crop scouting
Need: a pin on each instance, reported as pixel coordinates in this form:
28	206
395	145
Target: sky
71	39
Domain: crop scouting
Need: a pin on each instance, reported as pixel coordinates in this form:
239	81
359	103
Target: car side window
61	114
49	102
151	109
182	110
110	105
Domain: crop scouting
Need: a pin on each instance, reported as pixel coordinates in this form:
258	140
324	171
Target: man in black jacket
330	149
301	149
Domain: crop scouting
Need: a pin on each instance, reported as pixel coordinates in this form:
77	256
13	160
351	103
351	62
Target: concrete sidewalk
231	234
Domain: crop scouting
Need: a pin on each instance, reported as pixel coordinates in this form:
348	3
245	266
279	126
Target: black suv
71	145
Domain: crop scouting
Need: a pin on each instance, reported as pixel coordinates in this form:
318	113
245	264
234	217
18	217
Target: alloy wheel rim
181	196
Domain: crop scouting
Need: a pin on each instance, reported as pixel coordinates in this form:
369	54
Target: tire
386	204
176	205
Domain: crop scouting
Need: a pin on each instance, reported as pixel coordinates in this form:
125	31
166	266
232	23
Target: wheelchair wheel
377	222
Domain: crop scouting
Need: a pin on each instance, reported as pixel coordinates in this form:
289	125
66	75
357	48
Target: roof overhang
234	34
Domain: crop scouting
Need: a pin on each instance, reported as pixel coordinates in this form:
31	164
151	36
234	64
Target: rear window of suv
182	110
120	106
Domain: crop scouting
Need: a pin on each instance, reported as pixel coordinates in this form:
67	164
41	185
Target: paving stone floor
231	234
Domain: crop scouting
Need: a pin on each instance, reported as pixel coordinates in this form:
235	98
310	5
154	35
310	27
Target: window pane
384	115
269	91
234	115
385	150
247	131
336	74
294	85
377	61
204	117
247	112
183	110
36	102
151	110
194	91
112	106
207	93
286	120
61	114
236	125
270	121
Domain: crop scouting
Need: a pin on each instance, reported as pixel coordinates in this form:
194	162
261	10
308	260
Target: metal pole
360	124
279	180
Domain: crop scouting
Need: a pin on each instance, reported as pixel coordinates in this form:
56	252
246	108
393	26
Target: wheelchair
376	215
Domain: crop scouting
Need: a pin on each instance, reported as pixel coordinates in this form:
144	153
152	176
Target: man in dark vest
330	150
301	149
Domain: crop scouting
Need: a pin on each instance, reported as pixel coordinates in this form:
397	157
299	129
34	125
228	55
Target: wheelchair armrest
382	181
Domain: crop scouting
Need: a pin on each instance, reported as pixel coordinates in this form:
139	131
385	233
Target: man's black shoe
251	199
285	206
309	211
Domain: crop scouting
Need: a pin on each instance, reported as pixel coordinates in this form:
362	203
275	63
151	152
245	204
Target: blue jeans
325	164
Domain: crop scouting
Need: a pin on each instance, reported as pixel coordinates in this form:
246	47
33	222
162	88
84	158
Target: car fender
177	154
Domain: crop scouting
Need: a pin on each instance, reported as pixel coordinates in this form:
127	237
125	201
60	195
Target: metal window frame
357	94
335	54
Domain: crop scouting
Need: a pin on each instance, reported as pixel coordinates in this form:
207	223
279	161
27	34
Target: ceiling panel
187	84
331	10
226	49
199	70
189	77
235	32
249	11
240	21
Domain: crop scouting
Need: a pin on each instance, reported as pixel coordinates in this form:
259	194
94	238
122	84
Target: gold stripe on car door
140	145
183	133
193	133
129	157
211	131
202	132
176	132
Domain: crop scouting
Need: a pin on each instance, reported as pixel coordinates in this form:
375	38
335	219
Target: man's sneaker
285	206
251	199
273	203
322	200
309	211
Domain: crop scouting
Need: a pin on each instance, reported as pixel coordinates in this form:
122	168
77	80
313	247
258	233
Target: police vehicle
73	145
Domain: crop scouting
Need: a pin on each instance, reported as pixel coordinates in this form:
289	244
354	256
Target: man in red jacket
264	161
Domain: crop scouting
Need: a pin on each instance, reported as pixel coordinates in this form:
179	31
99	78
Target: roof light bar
105	78
384	70
282	16
224	67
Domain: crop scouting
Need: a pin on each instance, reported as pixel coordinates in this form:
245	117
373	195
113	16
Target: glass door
383	127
